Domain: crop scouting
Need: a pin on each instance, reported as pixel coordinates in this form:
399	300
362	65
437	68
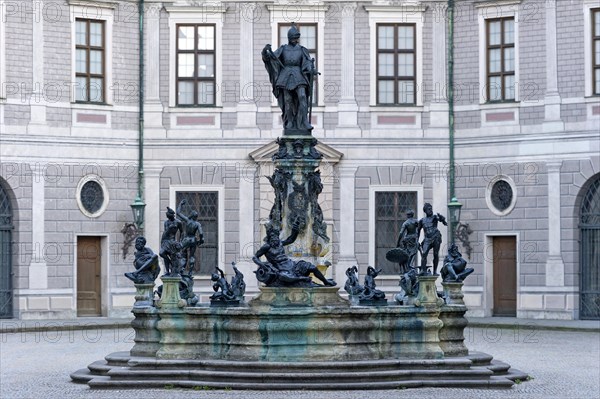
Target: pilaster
347	106
38	270
153	108
555	268
37	102
552	100
246	227
153	210
347	257
438	108
246	106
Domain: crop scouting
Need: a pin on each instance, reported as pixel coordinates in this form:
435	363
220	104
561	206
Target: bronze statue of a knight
291	72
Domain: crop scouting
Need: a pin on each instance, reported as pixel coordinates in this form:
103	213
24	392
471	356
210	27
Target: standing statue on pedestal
291	72
455	267
407	246
145	263
193	238
280	270
432	237
408	240
169	245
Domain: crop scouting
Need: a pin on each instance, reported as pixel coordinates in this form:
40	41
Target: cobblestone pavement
563	364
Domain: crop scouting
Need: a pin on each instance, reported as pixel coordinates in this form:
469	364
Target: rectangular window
196	65
206	203
396	64
500	45
596	51
390	213
90	72
308	39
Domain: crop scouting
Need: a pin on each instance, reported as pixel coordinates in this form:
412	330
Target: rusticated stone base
147	336
295	333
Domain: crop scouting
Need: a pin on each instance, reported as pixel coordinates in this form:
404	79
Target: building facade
527	118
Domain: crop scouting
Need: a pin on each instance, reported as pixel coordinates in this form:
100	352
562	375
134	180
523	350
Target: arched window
589	225
6	305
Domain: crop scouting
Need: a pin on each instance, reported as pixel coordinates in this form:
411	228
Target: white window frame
2	52
372	192
196	15
588	5
220	216
99	11
397	14
491	10
301	13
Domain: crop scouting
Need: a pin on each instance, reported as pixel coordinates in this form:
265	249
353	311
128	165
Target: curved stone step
308	367
104	383
99	367
498	367
120	370
291	377
118	358
81	376
480	358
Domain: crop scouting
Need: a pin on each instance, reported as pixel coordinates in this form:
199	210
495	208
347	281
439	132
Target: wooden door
89	258
505	276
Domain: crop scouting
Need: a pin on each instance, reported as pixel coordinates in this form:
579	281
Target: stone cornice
396	8
264	153
297	7
94	3
495	3
206	8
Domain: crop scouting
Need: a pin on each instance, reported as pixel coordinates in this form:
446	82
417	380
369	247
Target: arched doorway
589	249
6	227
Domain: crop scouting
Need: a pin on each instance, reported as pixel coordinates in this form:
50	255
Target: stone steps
119	371
106	383
306	367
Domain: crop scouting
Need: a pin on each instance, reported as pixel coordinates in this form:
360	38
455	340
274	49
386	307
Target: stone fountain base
300	339
121	370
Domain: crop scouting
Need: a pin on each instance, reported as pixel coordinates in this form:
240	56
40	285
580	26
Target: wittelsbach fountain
298	333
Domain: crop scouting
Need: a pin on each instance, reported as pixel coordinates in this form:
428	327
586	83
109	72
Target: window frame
396	51
195	79
373	190
2	53
88	48
408	14
502	46
494	10
181	15
220	190
105	14
595	13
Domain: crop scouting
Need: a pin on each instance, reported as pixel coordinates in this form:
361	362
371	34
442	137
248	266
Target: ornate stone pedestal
427	292
453	293
297	185
144	296
170	297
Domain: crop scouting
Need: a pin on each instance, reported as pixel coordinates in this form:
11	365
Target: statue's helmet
293	33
